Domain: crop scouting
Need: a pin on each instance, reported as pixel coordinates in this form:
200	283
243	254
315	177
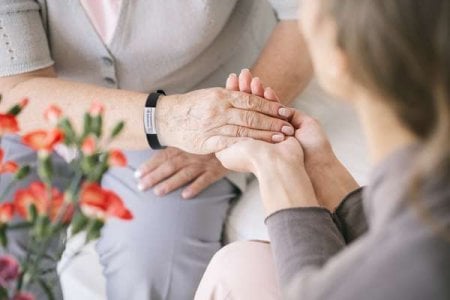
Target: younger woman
390	240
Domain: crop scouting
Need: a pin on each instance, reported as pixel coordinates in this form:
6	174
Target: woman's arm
284	64
201	121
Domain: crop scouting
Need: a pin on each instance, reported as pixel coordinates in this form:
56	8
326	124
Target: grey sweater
377	245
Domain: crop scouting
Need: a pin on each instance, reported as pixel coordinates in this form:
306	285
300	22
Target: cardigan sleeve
350	217
23	41
285	9
288	231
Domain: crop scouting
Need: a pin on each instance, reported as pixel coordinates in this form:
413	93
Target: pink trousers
241	270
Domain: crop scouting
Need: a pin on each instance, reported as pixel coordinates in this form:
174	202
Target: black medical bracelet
149	120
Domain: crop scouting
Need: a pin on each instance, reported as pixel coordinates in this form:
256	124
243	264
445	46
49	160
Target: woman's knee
239	270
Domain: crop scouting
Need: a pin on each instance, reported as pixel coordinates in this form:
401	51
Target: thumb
235	158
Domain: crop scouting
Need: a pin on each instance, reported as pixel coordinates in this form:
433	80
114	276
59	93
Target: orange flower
43	140
7	167
96	109
101	204
116	158
52	113
8	124
88	146
38	195
6	212
23	103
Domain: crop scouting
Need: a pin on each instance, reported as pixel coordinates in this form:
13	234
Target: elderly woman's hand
209	120
171	168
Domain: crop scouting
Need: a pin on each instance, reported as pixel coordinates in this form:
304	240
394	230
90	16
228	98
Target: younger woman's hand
331	180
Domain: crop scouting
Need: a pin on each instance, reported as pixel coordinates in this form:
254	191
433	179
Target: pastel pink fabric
241	270
104	15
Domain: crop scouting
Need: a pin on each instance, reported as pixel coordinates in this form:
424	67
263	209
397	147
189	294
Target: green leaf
69	133
22	172
15	110
45	168
96	125
87	121
117	129
41	227
93	230
3	237
32	213
79	223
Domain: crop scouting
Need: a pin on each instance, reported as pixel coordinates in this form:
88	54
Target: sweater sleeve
23	42
302	238
350	217
285	9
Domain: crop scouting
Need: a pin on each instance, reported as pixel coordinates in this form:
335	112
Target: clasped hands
286	149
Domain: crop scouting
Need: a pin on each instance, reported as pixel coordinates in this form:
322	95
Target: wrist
331	181
162	120
285	186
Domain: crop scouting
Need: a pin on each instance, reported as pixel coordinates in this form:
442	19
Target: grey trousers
163	252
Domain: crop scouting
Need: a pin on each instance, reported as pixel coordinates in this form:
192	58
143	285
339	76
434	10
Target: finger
162	172
239	131
257	87
258	104
255	120
298	118
245	79
232	83
199	184
270	94
179	179
155	161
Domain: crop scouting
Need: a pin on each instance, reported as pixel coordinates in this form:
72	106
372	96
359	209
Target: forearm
74	98
284	186
284	63
331	181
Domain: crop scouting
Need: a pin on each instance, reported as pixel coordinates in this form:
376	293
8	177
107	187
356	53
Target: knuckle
276	124
249	118
249	101
241	131
216	92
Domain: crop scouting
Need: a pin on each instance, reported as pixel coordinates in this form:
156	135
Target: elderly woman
73	52
331	239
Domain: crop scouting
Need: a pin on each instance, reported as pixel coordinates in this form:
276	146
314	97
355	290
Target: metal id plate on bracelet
149	120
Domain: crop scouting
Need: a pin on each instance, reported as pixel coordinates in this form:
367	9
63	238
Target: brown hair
401	50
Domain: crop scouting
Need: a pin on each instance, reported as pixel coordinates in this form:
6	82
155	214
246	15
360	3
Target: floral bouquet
44	212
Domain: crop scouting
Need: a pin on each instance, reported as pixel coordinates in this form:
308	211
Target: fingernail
140	187
137	174
158	191
245	70
232	75
284	112
278	137
288	130
186	194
